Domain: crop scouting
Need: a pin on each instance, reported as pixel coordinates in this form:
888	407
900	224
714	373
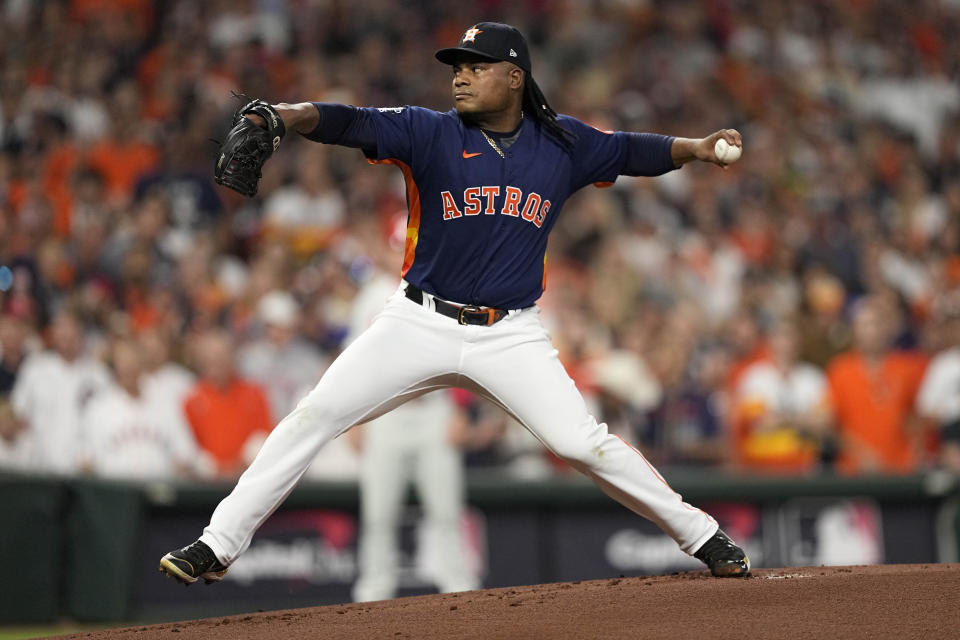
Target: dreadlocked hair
536	106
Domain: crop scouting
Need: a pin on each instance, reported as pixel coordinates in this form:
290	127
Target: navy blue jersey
478	222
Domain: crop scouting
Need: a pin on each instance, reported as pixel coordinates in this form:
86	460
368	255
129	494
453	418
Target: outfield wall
88	549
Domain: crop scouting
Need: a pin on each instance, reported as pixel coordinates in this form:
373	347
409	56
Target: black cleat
725	559
192	563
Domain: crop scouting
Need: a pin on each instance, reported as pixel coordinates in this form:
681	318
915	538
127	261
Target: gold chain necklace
492	143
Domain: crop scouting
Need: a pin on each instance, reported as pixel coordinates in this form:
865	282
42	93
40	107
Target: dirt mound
893	601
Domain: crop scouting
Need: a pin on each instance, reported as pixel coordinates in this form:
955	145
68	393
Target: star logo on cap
471	34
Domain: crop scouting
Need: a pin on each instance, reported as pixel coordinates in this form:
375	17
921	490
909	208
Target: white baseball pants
410	350
411	443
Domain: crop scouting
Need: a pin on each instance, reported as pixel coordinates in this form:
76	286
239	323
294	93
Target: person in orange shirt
127	154
872	393
229	416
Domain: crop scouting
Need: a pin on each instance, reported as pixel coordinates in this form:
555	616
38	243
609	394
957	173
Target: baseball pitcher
486	182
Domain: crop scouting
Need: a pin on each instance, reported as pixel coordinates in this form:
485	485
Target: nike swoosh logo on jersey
471	155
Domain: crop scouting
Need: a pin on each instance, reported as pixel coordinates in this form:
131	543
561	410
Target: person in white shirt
162	375
51	390
412	443
284	364
939	397
782	407
131	433
169	383
307	212
16	445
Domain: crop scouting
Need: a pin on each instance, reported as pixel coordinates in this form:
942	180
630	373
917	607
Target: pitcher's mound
877	602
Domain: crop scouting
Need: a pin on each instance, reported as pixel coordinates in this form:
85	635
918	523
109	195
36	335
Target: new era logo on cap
513	54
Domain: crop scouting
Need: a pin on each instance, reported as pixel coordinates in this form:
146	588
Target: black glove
247	147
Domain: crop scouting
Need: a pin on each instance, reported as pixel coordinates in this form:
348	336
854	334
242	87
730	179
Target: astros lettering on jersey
478	223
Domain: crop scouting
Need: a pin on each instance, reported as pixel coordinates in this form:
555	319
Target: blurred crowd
798	312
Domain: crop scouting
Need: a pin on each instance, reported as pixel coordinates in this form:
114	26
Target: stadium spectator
132	432
137	256
749	346
16	446
480	430
307	212
126	155
624	391
824	331
689	428
229	416
15	443
781	412
849	184
873	391
163	376
90	223
15	345
282	363
939	396
183	180
52	388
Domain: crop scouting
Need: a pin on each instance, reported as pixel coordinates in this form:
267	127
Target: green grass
21	633
17	633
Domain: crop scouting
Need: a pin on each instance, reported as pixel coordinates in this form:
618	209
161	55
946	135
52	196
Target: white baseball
726	152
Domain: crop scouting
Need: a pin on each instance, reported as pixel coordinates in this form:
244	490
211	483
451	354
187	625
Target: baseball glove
247	147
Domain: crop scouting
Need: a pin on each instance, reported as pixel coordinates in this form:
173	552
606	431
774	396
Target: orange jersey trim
413	212
543	280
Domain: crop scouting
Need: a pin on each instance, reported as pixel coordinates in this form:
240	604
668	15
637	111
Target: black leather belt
466	314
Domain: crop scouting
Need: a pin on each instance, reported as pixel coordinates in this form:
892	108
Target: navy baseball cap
491	40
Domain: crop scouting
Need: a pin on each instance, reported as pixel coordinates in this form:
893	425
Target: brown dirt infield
877	602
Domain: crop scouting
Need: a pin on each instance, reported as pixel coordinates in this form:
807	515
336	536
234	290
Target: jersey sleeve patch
401	131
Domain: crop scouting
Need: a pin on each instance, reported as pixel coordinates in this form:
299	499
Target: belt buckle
466	309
